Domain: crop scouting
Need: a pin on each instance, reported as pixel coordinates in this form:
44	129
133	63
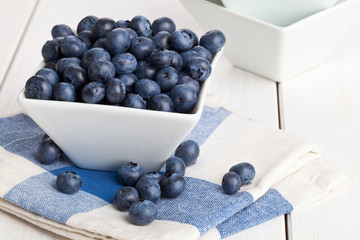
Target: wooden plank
323	105
251	95
13	22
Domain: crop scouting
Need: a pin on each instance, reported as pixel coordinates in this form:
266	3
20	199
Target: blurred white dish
101	137
274	52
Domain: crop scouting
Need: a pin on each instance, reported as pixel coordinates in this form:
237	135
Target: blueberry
181	40
125	197
162	40
129	80
184	98
132	34
124	63
129	173
72	46
192	35
231	183
64	63
204	53
187	56
101	28
99	43
51	50
93	92
86	23
199	68
51	65
85	36
50	75
64	91
93	55
117	41
245	170
172	185
148	189
101	71
141	47
115	91
142	212
147	88
133	100
161	102
144	70
38	87
163	24
187	80
155	176
141	25
48	151
167	78
122	24
177	61
175	165
61	30
77	76
213	40
160	58
188	151
68	182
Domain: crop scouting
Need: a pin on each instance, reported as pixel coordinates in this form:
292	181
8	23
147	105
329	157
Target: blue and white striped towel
289	175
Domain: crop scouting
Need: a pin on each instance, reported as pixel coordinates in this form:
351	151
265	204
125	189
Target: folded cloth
289	175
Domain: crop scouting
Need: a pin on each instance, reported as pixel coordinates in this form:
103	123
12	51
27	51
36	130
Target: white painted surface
250	95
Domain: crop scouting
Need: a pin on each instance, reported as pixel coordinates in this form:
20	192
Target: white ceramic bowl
101	137
275	52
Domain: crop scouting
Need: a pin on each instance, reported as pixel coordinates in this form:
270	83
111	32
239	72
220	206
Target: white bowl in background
101	137
275	52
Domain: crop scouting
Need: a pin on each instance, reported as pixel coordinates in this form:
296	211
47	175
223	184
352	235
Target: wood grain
250	95
323	105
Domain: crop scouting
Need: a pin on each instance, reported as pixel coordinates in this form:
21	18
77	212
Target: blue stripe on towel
269	206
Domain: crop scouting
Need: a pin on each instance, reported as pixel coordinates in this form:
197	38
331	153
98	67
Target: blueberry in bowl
130	104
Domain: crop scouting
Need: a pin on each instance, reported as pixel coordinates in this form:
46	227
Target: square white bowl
101	137
275	52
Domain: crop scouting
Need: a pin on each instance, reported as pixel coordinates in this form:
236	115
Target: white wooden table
322	105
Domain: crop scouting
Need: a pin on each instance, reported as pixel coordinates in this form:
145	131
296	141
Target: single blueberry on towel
125	197
175	165
48	151
231	183
172	185
130	173
245	170
188	151
148	189
68	182
142	212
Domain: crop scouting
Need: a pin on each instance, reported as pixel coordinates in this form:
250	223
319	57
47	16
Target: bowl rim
339	4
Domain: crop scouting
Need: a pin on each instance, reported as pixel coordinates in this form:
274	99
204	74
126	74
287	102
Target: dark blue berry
132	34
64	63
64	91
199	68
125	197
72	46
245	170
187	56
188	151
148	189
129	80
133	100
204	53
213	40
48	151
38	87
141	47
101	71
61	30
129	173
161	102
172	185
160	58
142	212
162	40
85	36
51	50
101	28
147	88
184	98
124	63
93	55
163	24
231	183
167	78
93	92
115	91
181	40
177	61
68	182
50	75
187	80
145	70
193	36
77	76
86	23
175	165
117	41
141	25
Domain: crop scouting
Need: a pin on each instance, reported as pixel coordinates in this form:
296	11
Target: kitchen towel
289	175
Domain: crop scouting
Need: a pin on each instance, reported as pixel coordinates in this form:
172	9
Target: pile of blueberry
126	63
238	175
